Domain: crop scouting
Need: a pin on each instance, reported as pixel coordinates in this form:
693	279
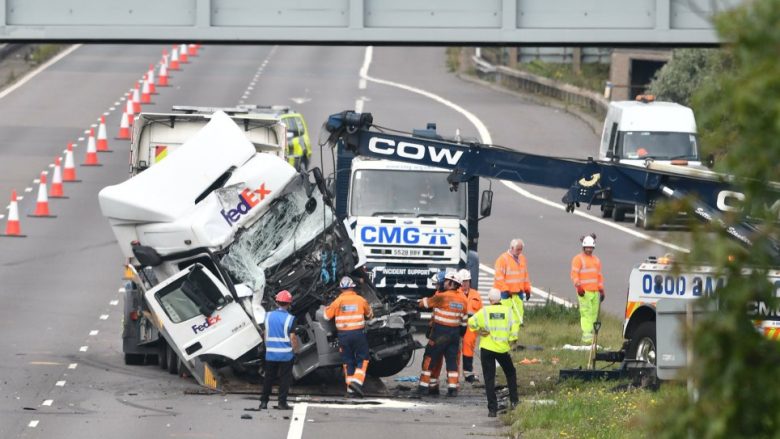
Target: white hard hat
464	274
588	241
494	295
453	276
346	282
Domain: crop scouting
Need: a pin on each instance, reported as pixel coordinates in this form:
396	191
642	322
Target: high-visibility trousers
515	303
444	342
589	313
469	345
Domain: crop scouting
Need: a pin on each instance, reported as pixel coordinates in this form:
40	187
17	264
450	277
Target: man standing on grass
589	283
497	326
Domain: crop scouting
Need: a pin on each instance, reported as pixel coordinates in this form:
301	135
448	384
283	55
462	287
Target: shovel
594	344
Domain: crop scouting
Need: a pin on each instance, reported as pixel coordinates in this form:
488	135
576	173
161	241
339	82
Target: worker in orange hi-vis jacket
351	312
512	278
589	284
449	324
474	304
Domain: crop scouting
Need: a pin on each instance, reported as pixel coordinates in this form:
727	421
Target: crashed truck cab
223	228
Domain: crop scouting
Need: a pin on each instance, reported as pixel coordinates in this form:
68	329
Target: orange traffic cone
183	54
12	227
192	50
146	94
92	157
42	206
174	61
124	128
56	190
150	79
136	99
162	80
129	110
102	138
69	171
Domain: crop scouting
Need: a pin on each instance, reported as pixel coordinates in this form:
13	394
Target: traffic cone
173	63
162	80
192	50
136	99
92	157
150	79
102	139
146	94
130	110
56	190
42	206
69	171
12	226
124	128
183	54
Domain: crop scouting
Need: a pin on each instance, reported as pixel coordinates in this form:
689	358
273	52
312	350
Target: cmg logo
437	235
389	235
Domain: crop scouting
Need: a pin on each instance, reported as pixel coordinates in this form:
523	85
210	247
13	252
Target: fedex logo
209	322
249	199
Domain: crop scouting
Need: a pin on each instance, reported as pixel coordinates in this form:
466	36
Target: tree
735	368
685	73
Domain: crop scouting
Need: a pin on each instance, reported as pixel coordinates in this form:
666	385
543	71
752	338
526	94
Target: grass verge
573	408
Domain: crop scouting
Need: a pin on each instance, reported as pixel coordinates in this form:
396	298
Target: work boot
357	388
513	404
433	391
470	379
452	393
492	414
283	406
263	405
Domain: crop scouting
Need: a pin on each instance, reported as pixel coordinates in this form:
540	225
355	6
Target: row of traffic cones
141	94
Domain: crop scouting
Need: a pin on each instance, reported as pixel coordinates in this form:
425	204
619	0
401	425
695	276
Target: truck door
198	316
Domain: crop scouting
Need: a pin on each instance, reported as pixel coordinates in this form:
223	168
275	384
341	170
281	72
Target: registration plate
407	252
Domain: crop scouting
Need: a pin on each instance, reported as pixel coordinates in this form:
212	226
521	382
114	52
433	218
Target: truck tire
618	214
642	218
388	366
173	361
135	359
642	345
606	212
162	354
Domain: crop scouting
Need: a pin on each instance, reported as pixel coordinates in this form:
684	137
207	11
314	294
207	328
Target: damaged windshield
285	227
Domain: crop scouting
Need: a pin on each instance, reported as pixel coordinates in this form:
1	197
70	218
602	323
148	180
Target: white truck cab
644	130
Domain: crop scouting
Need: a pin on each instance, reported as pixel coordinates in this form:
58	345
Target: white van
636	132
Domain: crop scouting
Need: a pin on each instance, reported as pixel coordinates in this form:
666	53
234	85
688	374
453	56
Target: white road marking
108	112
20	197
37	181
72	366
484	134
2	216
544	294
113	303
51	165
93	332
121	290
27	189
60	383
33	424
104	317
297	421
83	348
359	106
48	402
35	72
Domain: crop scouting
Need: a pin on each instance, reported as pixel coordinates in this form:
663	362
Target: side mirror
486	204
709	160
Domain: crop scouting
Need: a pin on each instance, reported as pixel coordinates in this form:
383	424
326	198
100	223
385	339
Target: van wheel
642	346
173	361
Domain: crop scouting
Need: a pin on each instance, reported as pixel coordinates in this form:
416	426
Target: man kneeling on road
280	345
498	327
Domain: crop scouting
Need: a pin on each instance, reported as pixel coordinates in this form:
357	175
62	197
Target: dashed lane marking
72	366
60	383
47	403
83	348
104	317
94	332
113	303
33	423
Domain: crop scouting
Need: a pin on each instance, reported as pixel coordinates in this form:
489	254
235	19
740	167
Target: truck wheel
135	359
642	346
173	361
643	218
388	366
618	214
162	354
606	212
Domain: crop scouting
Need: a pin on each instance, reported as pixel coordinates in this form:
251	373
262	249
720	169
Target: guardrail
593	103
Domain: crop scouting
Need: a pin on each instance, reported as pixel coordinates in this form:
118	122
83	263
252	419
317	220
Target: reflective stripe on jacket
498	321
278	325
449	308
586	271
511	274
350	311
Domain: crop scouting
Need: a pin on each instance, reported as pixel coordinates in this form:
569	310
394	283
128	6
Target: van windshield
379	192
657	145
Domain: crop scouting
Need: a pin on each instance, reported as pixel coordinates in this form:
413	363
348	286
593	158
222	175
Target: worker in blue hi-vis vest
280	346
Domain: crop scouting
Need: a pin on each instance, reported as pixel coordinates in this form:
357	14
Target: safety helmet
464	275
284	296
494	295
346	282
453	276
588	241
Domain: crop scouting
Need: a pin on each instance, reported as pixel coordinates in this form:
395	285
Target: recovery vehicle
213	231
586	182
